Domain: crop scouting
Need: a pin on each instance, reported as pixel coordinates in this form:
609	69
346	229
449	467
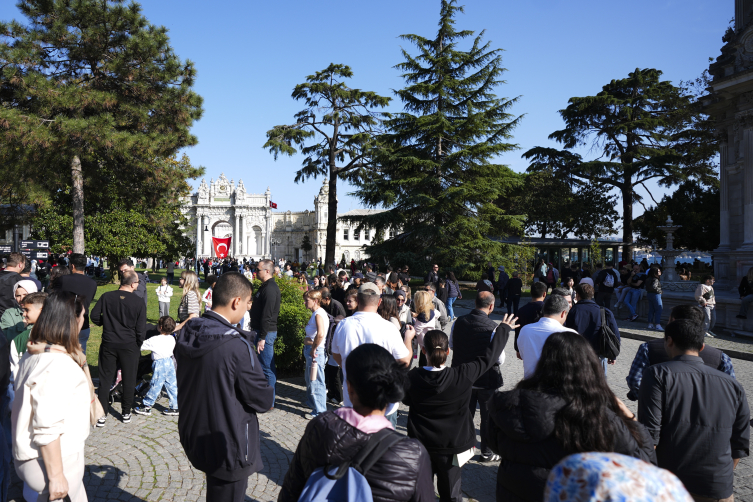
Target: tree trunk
329	256
627	223
78	205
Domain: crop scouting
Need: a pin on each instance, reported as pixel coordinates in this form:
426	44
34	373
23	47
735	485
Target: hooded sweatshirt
221	388
439	414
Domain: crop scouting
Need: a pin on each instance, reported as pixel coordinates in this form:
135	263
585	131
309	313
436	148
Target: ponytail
436	344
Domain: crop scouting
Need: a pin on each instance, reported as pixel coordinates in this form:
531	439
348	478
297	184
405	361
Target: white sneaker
658	327
650	326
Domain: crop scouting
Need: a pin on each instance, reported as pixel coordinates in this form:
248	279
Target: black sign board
35	255
6	249
35	244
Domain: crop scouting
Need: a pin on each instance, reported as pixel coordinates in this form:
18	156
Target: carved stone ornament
744	54
203	189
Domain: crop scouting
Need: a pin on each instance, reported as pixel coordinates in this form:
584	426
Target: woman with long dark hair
403	472
565	407
388	310
51	410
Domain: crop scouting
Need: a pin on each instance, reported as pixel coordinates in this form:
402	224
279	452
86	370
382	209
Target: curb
736	354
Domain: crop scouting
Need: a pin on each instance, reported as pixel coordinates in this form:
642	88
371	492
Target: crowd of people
372	343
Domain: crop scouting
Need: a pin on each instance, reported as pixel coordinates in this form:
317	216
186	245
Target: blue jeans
631	300
655	308
83	337
163	373
450	301
267	360
316	390
393	419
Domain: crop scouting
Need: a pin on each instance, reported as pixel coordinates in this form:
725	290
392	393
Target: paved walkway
143	461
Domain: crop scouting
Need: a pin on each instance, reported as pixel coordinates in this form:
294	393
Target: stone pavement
144	461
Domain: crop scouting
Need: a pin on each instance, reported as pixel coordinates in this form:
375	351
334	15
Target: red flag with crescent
221	246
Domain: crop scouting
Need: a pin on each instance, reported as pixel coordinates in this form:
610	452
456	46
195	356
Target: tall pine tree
438	176
89	86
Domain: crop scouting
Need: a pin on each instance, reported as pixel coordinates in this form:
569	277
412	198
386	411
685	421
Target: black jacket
221	387
83	286
440	415
403	473
527	314
7	281
745	288
335	308
471	338
521	430
585	318
122	316
265	309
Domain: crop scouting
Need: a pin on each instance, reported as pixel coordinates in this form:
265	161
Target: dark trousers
170	278
512	304
448	477
109	359
333	377
482	396
604	300
226	491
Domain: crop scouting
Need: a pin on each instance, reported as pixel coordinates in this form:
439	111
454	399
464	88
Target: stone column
198	235
241	234
748	187
724	198
235	234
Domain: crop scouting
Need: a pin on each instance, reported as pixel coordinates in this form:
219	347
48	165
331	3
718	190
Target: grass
152	312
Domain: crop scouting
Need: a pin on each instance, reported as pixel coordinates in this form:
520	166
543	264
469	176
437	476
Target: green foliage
290	325
695	207
437	176
93	80
336	132
643	129
594	254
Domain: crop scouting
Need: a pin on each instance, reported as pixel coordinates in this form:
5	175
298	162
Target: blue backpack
347	482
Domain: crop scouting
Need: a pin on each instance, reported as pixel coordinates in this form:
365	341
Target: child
163	369
164	292
207	298
31	306
704	295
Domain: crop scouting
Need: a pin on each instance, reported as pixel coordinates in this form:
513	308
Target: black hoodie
221	387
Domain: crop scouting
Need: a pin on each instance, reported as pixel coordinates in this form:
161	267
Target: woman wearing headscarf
12	322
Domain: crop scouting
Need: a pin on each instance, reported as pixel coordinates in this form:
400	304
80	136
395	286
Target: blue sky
250	54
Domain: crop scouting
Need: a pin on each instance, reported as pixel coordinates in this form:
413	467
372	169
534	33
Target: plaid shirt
641	362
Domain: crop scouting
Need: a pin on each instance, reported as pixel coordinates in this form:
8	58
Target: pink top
369	424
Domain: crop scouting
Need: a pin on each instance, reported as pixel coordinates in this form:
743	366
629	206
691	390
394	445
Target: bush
290	326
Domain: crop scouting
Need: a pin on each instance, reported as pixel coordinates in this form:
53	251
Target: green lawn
152	312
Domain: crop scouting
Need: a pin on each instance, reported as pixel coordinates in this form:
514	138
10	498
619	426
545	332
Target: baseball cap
358	275
369	287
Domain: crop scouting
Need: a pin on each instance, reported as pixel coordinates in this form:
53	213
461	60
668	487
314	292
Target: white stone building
223	208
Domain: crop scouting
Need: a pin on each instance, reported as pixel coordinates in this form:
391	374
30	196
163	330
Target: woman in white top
50	418
313	351
164	292
426	319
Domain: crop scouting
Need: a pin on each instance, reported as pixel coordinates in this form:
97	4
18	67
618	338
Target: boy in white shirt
164	292
163	369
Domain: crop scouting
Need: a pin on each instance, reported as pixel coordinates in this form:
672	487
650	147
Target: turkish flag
221	246
273	205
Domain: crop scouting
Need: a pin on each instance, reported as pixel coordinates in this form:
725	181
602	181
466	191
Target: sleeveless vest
712	357
471	337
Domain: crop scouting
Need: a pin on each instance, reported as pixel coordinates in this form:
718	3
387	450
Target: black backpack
608	345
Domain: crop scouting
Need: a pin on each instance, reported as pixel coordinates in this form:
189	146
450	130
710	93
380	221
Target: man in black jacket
264	313
606	281
471	337
79	284
8	278
126	266
531	311
330	305
221	388
122	316
433	276
585	318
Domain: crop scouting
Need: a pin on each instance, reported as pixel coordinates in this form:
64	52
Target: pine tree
90	85
343	125
438	176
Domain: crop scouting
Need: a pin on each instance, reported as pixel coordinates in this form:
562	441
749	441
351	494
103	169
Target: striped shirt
189	304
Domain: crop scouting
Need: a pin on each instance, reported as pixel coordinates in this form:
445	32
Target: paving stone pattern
144	461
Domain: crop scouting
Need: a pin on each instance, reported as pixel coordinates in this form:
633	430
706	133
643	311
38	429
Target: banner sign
221	246
35	244
6	249
35	255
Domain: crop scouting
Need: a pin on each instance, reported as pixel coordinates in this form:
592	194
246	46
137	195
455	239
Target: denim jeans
393	419
163	373
604	364
450	311
745	305
710	318
267	360
631	300
83	337
316	390
655	308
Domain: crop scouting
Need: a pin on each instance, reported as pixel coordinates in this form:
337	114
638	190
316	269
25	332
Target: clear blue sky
250	54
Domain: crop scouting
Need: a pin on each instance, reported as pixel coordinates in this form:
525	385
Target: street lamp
275	242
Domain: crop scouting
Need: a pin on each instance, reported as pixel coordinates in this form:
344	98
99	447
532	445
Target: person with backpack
607	280
586	316
439	415
359	441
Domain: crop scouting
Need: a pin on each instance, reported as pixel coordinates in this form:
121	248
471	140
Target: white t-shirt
162	346
531	340
311	326
366	327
